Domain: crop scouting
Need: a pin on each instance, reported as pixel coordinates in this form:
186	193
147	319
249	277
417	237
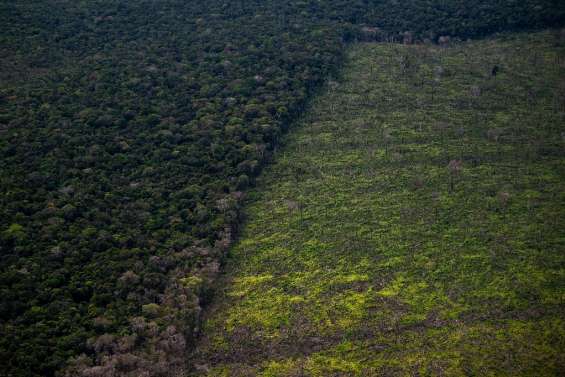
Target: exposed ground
412	223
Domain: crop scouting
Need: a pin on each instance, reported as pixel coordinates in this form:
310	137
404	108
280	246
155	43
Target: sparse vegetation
422	245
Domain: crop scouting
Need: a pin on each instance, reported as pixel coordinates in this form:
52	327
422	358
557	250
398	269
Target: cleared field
412	223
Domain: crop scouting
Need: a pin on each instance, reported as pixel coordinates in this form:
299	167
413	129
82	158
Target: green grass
364	254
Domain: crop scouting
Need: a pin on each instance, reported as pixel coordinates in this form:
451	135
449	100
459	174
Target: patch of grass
411	224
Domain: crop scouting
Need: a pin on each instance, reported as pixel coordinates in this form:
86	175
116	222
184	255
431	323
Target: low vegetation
410	225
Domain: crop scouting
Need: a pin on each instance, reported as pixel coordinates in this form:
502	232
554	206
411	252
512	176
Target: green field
411	224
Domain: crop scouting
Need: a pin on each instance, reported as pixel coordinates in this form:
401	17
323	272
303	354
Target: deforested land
411	224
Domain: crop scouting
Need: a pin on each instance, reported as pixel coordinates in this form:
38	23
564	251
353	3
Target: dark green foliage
128	130
433	18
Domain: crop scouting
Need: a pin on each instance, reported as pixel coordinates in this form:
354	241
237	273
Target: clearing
412	223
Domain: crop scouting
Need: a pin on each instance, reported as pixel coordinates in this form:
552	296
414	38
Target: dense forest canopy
129	131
